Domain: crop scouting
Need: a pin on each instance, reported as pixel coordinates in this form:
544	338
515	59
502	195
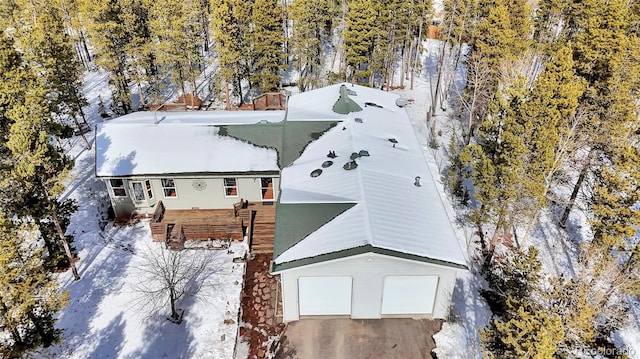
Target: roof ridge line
366	220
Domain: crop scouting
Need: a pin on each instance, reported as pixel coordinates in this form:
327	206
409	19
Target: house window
147	184
230	187
169	187
138	191
267	188
117	185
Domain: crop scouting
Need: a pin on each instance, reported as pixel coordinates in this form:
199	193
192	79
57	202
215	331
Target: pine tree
529	333
141	57
551	126
13	79
109	39
32	168
177	32
230	28
604	57
29	296
502	34
358	38
498	162
268	42
516	276
311	33
49	51
36	174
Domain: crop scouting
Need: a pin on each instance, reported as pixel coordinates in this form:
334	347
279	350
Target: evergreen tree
33	181
13	79
268	42
515	279
529	333
29	296
109	39
503	34
49	51
498	162
141	57
550	125
177	32
359	36
311	33
230	28
32	169
604	58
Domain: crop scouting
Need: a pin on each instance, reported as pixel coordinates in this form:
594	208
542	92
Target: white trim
225	186
263	190
164	188
123	187
134	193
149	189
371	254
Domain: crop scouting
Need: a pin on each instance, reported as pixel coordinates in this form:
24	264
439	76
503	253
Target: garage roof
372	160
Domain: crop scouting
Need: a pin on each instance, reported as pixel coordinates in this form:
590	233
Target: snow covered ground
103	318
459	337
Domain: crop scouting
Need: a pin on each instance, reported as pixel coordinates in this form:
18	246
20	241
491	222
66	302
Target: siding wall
368	281
212	197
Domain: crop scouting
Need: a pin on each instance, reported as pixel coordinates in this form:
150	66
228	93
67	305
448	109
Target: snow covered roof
149	143
374	193
387	210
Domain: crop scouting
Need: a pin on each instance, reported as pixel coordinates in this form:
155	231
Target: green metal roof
345	105
295	221
298	135
360	250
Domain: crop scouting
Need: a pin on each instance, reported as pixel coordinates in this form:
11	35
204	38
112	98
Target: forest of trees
150	48
550	103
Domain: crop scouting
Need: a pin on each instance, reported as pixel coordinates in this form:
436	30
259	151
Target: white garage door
409	294
324	295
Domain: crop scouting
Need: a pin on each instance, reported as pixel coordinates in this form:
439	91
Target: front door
142	193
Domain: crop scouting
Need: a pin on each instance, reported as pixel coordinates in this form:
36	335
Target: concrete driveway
358	339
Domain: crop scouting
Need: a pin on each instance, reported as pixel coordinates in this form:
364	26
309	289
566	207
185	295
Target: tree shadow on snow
102	276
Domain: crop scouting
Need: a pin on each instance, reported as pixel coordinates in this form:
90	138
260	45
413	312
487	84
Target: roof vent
352	93
354	155
417	182
332	154
358	120
394	141
315	173
401	102
364	153
372	104
326	164
263	121
351	165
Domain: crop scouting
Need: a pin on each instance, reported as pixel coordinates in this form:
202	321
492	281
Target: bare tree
474	97
166	276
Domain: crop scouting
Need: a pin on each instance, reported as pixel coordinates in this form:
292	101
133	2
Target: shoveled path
261	307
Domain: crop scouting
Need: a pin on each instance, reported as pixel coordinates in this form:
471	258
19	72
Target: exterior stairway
262	228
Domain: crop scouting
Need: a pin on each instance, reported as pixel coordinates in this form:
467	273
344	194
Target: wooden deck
177	226
262	228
